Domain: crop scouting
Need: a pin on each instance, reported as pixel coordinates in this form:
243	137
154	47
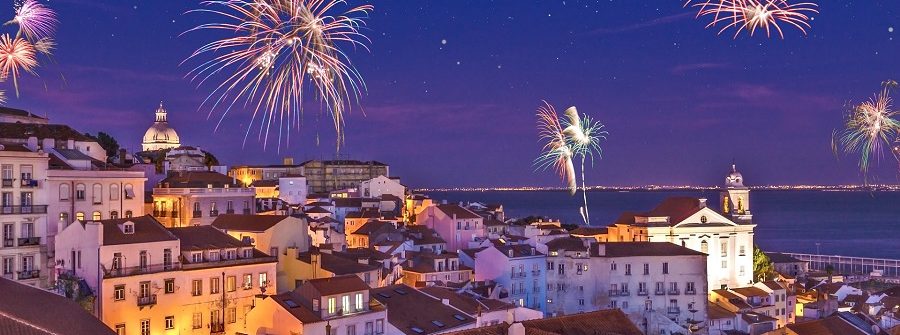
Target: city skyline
680	102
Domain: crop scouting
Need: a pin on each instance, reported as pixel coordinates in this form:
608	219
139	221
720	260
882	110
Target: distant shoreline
836	188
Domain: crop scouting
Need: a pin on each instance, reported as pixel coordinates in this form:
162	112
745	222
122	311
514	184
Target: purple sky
679	101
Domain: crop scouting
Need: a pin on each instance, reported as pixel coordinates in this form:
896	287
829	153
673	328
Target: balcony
674	291
216	328
660	292
214	213
624	293
7	182
246	211
198	214
27	241
160	214
516	275
27	209
673	310
690	292
643	293
29	183
29	274
138	270
613	293
174	214
8	242
144	301
535	273
229	211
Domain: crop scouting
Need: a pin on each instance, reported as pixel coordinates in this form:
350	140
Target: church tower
160	136
735	198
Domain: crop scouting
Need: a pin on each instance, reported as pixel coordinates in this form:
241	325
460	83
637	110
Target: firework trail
574	136
275	52
16	55
556	151
752	15
35	20
869	128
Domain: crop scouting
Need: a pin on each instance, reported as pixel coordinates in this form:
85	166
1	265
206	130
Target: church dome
734	179
160	135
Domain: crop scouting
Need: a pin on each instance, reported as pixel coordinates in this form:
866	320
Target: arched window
114	215
129	191
114	192
96	216
704	247
80	190
97	194
128	214
79	216
64	219
64	192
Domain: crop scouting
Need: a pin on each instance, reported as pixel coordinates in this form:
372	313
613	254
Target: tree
763	269
209	160
107	142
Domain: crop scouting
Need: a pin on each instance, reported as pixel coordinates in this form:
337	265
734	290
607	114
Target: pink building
455	224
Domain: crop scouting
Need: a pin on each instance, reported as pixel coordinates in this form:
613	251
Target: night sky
453	87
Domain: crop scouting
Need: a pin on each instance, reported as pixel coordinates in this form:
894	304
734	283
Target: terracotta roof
676	208
714	312
298	306
420	235
347	202
248	223
518	250
264	183
492	222
197	179
753	317
466	303
589	231
27	310
146	229
336	264
626	218
41	131
411	309
368	213
602	322
777	257
839	324
459	211
633	249
750	291
373	227
498	329
337	284
774	285
205	237
567	244
423	261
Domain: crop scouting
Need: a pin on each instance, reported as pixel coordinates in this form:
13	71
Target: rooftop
197	179
146	229
634	249
457	210
41	131
337	285
204	238
777	257
247	223
415	313
27	310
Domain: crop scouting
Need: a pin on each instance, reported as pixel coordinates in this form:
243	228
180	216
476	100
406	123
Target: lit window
96	216
79	216
170	322
119	292
332	306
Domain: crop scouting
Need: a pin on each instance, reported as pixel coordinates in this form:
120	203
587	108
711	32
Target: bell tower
735	197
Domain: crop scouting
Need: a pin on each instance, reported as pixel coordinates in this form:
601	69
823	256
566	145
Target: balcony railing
214	213
673	310
198	214
246	211
146	300
174	214
216	328
27	209
535	273
160	214
643	293
673	291
7	182
29	274
8	242
29	183
624	293
517	275
613	293
660	292
139	270
229	211
690	292
26	241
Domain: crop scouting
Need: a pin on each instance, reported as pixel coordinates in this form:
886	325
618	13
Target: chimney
532	251
70	144
516	329
702	202
445	302
289	161
509	252
32	143
122	154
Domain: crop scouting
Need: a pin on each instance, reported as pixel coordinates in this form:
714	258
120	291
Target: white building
191	198
293	189
375	187
160	136
23	214
519	269
149	279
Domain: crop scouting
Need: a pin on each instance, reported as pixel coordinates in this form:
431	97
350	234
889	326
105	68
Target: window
64	219
379	326
263	279
231	315
120	329
167	258
612	267
724	264
741	251
64	192
230	283
627	269
359	302
80	190
345	304
248	281
213	256
725	249
129	191
169	285
351	329
689	287
665	268
114	192
646	269
332	306
197	320
114	215
79	216
213	285
96	216
97	194
170	322
129	214
704	247
119	292
197	257
196	287
370	328
142	259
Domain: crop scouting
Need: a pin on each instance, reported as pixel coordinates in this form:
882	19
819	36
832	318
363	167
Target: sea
846	223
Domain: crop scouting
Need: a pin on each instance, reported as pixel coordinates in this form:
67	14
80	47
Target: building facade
197	197
454	223
23	215
329	175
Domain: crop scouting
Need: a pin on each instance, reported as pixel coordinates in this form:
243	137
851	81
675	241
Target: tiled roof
368	213
317	210
603	322
832	325
466	303
41	131
248	223
336	264
459	211
27	310
633	249
777	257
372	227
714	312
410	309
518	250
347	202
774	285
423	261
19	112
338	284
264	183
205	237
676	208
753	317
197	179
298	306
567	243
589	231
146	229
750	291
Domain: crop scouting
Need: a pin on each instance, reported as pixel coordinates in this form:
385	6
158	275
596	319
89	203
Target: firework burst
869	128
16	55
753	15
565	140
277	51
35	20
